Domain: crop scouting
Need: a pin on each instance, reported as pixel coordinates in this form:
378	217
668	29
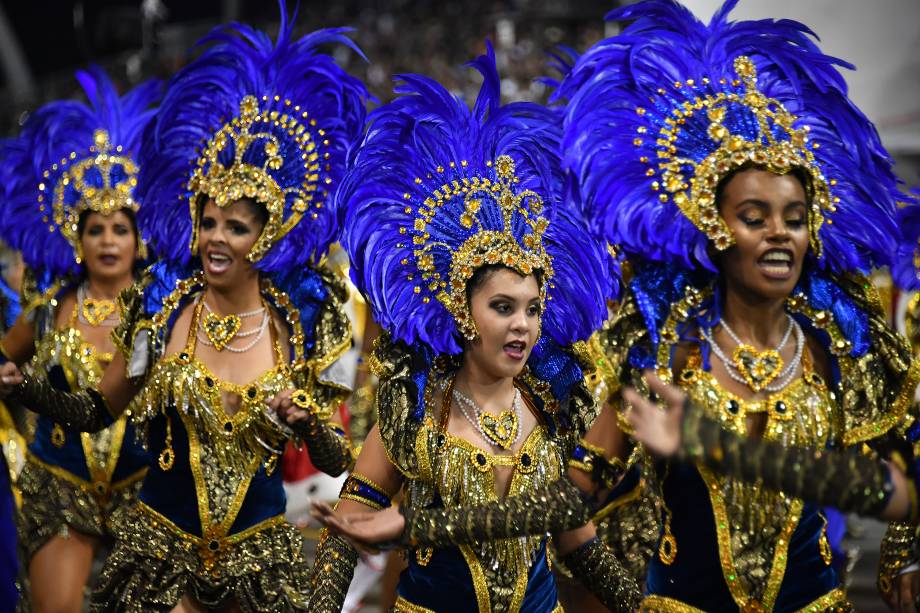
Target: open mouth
108	259
218	263
515	349
776	263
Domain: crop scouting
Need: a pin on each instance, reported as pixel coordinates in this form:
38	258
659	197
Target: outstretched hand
657	427
366	530
10	377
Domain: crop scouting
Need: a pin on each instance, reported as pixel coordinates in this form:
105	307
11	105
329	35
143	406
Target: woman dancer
453	224
746	194
236	325
73	170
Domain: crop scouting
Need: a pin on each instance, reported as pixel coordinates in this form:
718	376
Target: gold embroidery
460	473
837	597
753	526
663	604
82	366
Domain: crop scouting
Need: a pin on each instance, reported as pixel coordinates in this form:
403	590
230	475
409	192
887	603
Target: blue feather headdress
438	190
905	270
253	118
658	114
72	157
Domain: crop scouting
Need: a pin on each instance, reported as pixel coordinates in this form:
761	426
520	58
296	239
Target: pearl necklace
207	341
783	378
502	431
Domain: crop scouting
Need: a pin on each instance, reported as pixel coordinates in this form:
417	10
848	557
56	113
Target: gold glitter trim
723	534
214	532
834	598
404	606
626	498
663	604
479	579
354	494
202	542
86	486
32	298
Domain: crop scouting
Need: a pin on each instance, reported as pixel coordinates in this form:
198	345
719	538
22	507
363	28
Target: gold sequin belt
836	599
210	548
100	489
404	606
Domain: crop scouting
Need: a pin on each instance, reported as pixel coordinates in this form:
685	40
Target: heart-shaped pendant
221	330
97	311
758	368
502	429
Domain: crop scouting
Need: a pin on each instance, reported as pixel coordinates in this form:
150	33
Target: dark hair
482	274
798	172
258	210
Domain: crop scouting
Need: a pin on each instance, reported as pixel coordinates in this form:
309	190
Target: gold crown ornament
274	137
777	145
521	213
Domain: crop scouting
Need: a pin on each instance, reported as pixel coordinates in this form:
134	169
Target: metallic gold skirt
54	502
154	564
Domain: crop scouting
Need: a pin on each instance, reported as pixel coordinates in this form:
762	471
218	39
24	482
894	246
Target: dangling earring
79	251
141	249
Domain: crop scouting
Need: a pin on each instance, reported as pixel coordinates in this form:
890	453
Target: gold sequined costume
444	471
724	540
209	521
72	480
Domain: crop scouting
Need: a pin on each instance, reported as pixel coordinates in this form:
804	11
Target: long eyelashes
505	309
758	223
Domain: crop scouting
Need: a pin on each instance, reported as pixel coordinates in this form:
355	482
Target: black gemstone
525	460
441	440
228	426
251	392
213	545
183	356
780	406
209	381
733	407
481	459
